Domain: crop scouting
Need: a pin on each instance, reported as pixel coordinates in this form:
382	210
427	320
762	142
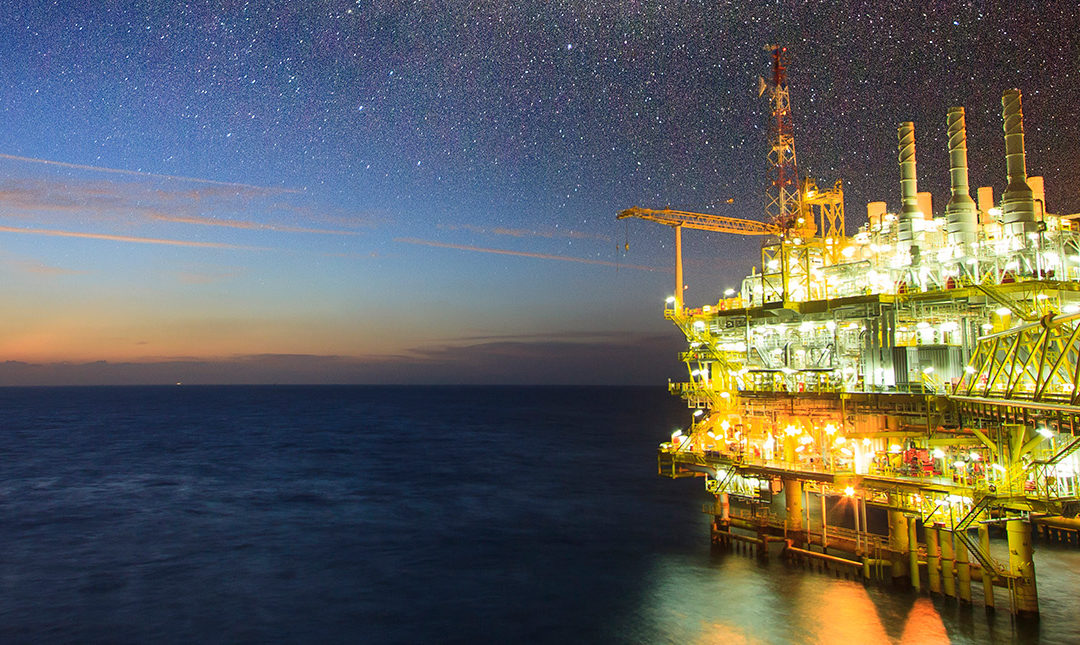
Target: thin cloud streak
521	232
140	173
40	268
188	277
126	238
521	254
246	225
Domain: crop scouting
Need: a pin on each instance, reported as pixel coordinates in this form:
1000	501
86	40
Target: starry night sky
425	191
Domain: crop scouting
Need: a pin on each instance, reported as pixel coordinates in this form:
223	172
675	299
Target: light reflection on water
731	599
321	515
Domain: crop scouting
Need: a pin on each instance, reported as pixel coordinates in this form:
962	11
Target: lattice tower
782	203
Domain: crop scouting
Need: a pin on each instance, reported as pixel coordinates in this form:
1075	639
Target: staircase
996	570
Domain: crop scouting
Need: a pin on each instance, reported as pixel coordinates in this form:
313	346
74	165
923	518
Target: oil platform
917	378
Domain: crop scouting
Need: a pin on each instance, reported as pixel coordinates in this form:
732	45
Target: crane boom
702	221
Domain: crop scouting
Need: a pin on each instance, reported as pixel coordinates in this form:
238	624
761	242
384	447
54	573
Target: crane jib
702	221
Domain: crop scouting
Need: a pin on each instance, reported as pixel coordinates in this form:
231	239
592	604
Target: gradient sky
414	192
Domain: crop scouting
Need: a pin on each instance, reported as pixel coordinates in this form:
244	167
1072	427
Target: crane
702	222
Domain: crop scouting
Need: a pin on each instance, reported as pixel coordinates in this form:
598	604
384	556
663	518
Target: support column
913	552
865	525
963	572
933	559
824	527
722	509
678	271
806	519
793	498
1022	565
987	579
948	562
858	531
898	542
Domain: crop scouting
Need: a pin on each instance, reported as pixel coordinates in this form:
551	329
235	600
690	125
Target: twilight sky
425	192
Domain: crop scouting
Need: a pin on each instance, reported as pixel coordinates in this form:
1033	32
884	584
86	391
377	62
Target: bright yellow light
849	491
724	425
830	429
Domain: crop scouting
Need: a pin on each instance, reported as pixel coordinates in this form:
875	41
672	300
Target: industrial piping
961	214
1017	202
909	212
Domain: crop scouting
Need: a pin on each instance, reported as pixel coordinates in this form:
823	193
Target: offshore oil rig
917	378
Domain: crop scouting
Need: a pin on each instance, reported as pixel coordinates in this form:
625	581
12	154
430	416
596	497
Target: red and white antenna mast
782	204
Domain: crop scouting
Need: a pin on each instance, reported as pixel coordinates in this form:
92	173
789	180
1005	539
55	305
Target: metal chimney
961	215
909	211
1017	202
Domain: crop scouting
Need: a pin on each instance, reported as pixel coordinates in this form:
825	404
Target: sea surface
407	515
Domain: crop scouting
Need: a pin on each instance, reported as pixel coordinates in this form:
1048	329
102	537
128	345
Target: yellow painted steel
701	221
894	368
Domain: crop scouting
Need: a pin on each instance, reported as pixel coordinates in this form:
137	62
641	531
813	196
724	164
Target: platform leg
933	559
913	552
1022	565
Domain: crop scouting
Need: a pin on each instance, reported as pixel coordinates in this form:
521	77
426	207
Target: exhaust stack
908	187
1017	202
961	215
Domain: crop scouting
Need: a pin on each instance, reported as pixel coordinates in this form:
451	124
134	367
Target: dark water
405	515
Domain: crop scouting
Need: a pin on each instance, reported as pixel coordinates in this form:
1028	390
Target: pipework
1017	202
961	213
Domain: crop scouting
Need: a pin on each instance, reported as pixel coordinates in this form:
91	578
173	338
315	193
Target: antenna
782	205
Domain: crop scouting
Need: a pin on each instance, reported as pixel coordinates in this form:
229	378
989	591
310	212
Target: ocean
407	515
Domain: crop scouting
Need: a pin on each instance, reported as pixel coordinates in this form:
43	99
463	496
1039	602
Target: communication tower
782	202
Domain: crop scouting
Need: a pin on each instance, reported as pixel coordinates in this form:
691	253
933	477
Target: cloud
37	196
126	238
149	199
626	359
523	233
573	336
139	173
331	215
194	277
623	359
38	268
248	225
522	254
